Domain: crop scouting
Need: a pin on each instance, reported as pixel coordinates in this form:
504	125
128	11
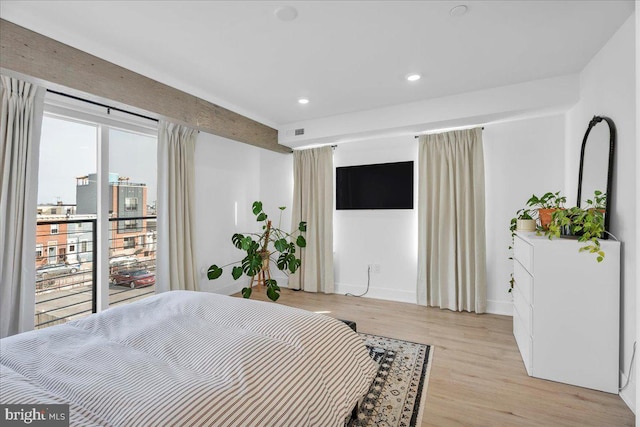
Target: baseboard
376	293
283	281
628	395
504	308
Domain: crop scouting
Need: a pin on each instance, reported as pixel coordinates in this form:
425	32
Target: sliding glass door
64	237
96	225
132	219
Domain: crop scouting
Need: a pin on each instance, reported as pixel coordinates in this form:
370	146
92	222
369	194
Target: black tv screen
378	186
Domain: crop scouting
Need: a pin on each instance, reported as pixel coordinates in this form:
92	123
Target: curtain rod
418	136
108	107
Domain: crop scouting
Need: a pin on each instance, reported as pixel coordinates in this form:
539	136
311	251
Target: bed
191	358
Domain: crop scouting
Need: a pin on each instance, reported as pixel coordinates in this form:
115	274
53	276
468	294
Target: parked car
134	278
53	270
120	262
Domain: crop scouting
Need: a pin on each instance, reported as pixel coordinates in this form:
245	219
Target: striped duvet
191	358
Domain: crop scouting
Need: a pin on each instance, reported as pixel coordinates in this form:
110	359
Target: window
130	204
62	255
131	225
71	176
129	243
51	253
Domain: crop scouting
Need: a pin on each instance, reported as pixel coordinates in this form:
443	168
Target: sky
68	150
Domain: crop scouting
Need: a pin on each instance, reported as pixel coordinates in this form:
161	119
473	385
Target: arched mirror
596	163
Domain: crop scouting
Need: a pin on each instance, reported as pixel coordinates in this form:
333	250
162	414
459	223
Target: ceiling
344	56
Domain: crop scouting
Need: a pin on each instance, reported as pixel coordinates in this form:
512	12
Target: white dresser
566	313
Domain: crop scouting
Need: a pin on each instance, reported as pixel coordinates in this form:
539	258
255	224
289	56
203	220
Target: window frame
63	108
128	207
126	242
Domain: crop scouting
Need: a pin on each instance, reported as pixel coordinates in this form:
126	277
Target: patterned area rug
396	396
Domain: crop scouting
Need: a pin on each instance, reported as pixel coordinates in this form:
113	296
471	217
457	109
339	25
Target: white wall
607	88
276	189
514	152
522	158
388	238
637	16
229	175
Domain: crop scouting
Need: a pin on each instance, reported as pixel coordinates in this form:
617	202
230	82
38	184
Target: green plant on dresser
587	224
546	205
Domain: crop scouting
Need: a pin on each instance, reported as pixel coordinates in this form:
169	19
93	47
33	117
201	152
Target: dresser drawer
523	252
522	308
523	280
523	340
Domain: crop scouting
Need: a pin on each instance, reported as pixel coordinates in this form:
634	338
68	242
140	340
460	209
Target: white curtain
451	227
313	203
20	125
176	264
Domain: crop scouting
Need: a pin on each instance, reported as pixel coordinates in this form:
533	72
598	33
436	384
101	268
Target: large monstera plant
272	244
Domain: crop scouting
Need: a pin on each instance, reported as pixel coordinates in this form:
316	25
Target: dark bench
350	323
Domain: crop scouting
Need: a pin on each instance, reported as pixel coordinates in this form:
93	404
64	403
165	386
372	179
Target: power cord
368	282
633	355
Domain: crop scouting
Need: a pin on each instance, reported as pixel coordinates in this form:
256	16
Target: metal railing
66	277
132	251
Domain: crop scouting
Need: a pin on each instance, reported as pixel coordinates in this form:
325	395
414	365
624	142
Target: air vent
294	132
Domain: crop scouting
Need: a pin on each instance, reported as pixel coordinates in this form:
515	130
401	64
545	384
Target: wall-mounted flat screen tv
378	186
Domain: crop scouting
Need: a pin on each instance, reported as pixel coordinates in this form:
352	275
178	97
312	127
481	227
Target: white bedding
191	358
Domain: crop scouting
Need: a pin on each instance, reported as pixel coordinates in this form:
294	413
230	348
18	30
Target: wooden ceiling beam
26	52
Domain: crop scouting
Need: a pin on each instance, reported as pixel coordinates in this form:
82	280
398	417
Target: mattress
191	358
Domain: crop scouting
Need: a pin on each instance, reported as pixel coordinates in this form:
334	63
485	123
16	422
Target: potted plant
587	224
546	205
525	220
260	248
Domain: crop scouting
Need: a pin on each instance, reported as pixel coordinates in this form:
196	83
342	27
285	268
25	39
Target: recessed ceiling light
303	101
459	10
413	77
286	13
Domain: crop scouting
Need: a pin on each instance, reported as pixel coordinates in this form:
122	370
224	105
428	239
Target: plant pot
566	232
526	225
545	217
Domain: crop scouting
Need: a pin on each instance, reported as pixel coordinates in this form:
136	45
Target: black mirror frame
612	142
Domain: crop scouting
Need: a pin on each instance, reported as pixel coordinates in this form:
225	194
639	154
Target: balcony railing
66	279
132	259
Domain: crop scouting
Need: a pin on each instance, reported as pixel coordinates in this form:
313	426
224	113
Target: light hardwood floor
477	377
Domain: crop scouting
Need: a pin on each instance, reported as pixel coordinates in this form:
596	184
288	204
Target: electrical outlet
376	268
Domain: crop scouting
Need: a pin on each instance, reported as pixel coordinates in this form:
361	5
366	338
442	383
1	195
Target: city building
131	233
